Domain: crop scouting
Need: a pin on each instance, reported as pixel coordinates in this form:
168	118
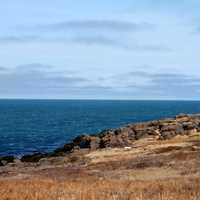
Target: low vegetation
89	189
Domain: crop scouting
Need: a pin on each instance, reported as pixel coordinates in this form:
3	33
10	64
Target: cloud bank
37	80
99	25
162	85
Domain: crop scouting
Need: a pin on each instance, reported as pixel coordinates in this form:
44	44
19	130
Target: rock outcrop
182	124
161	129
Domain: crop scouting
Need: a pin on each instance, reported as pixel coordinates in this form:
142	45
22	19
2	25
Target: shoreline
163	129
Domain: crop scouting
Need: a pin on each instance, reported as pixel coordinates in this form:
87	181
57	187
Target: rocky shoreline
124	137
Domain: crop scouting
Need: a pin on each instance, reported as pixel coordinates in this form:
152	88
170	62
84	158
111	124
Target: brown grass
158	170
91	189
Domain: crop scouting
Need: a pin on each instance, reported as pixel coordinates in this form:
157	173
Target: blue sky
129	49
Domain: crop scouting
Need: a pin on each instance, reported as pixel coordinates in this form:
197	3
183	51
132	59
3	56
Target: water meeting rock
182	124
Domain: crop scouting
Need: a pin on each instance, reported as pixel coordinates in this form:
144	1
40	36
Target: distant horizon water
41	125
96	99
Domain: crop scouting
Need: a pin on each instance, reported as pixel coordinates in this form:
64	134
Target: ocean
28	126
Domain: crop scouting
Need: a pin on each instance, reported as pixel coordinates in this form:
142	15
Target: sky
130	49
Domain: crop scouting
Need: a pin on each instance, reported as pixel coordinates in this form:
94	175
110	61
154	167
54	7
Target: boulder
86	141
183	118
153	132
108	140
168	127
83	141
189	127
167	135
105	132
170	130
67	148
148	129
33	158
119	138
140	130
154	124
6	159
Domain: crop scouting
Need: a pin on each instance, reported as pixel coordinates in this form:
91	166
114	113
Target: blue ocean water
27	126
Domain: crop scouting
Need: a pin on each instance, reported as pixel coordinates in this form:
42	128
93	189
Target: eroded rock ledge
182	124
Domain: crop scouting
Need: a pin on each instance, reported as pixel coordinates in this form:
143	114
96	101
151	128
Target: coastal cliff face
122	137
165	129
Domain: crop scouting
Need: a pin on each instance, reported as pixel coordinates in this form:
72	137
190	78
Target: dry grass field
150	170
90	189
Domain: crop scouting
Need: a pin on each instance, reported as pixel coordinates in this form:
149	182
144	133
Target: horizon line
96	99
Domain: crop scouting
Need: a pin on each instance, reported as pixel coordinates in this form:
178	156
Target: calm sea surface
27	126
